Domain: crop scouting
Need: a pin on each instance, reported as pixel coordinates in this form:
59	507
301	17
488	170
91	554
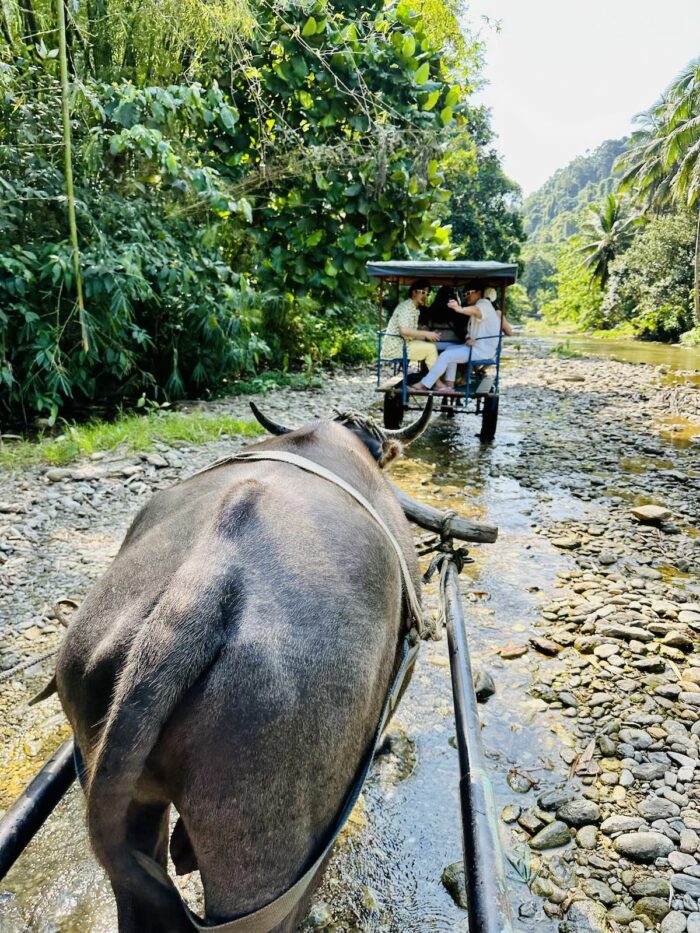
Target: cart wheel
393	410
489	418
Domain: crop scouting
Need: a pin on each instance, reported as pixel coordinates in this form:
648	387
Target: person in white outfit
481	346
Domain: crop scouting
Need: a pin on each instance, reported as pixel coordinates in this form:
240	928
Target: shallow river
386	872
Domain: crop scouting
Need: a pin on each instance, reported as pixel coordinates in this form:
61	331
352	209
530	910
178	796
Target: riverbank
583	614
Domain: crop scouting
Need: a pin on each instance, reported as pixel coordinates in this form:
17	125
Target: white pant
447	363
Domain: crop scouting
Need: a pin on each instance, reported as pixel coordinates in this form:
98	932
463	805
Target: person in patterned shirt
403	325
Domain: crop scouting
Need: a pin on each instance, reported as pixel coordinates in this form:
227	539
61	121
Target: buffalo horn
414	430
267	423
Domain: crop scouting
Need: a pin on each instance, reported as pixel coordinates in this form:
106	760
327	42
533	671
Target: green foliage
691	338
606	233
662	166
537	277
235	167
578	300
651	283
518	304
484	206
553	213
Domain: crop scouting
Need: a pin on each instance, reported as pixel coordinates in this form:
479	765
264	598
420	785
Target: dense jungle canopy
235	165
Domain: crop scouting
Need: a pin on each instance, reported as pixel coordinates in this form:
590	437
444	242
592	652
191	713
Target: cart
480	392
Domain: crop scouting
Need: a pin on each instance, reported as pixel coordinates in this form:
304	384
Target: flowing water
385	875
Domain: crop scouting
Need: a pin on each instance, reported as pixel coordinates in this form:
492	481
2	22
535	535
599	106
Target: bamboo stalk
70	196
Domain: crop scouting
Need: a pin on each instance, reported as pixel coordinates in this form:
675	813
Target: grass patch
128	432
566	352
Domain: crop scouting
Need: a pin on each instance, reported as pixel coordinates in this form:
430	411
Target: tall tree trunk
30	30
696	296
98	18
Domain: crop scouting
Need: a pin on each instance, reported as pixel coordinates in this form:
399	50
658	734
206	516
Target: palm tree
605	234
662	166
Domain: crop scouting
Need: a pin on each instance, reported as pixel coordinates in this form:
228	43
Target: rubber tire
489	418
393	409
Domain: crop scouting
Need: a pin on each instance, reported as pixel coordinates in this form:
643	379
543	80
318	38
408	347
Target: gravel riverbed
606	839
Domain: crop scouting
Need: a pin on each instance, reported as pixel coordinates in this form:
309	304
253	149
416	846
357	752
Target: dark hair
475	286
417	285
440	316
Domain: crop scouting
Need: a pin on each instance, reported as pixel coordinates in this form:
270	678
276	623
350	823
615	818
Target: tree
578	301
484	206
604	235
662	167
650	284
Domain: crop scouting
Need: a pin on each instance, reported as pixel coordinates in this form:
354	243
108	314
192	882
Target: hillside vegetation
614	237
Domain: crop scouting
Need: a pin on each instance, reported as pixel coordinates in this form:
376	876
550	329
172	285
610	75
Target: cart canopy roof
444	273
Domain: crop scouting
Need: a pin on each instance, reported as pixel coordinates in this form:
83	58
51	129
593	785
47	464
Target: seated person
403	323
439	316
480	347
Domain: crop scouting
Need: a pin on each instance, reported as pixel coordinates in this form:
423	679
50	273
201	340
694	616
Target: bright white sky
564	75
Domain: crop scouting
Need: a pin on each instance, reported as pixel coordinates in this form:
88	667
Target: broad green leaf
309	27
364	239
452	97
422	74
431	100
408	46
446	115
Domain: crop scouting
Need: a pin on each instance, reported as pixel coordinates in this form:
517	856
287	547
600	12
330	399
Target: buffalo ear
391	450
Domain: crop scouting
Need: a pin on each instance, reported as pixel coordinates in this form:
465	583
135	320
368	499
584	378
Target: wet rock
512	650
653	907
657	808
650	514
552	836
320	916
453	880
484	685
519	782
510	813
585	916
643	846
652	887
637	738
579	812
567	542
621	824
553	799
587	837
620	914
686	884
675	922
545	646
678	640
599	891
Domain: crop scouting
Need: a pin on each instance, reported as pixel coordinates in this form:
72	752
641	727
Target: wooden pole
70	197
464	529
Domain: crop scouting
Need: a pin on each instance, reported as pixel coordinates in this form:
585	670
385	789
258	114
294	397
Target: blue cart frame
485	391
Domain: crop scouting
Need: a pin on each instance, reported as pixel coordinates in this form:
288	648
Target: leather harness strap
272	914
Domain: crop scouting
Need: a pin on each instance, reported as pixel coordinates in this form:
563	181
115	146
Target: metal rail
489	910
31	809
